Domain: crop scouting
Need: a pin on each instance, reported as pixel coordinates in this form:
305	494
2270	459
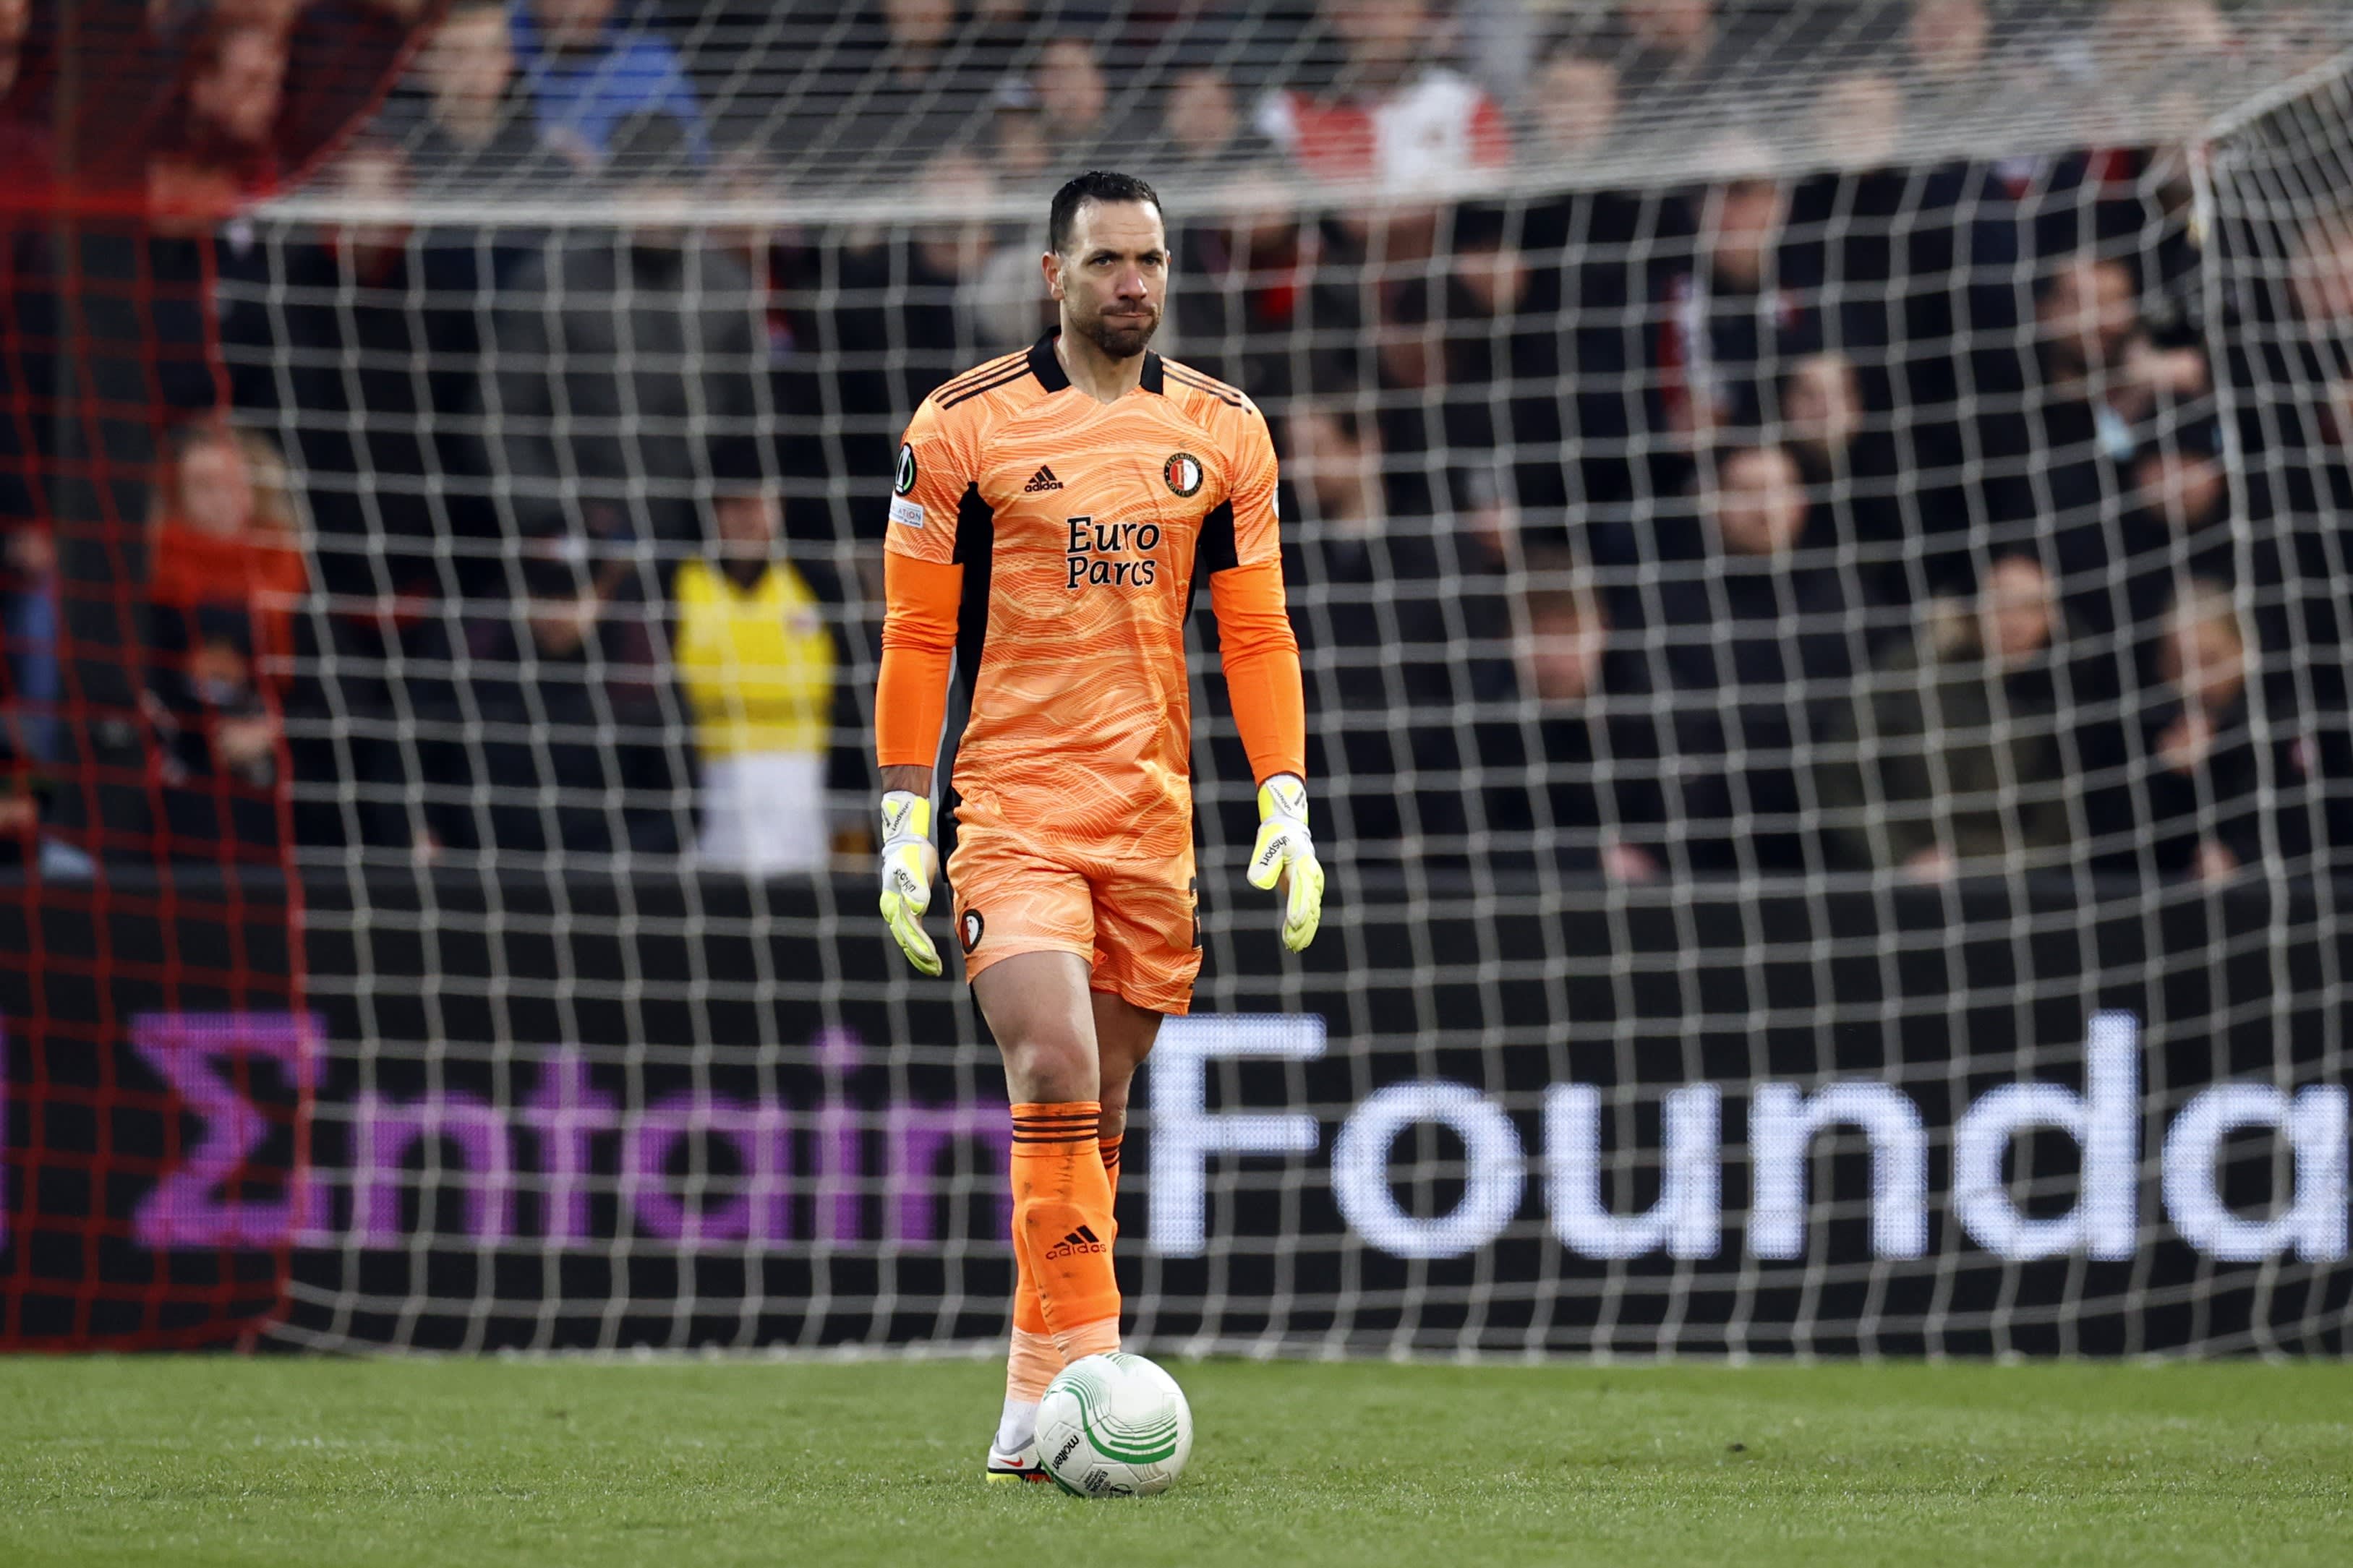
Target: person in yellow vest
756	662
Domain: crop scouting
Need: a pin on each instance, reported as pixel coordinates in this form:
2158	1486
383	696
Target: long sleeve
1261	663
918	632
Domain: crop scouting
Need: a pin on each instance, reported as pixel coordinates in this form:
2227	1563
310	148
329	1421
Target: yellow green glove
1284	846
910	867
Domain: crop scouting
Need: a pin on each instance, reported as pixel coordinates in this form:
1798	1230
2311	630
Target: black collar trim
1048	369
1044	366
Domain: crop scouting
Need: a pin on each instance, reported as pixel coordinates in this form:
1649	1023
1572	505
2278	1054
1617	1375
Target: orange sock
1029	1312
1032	1361
1062	1207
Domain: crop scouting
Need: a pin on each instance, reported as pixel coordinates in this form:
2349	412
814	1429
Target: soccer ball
1114	1426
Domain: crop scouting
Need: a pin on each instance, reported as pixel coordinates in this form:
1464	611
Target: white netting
1818	594
843	108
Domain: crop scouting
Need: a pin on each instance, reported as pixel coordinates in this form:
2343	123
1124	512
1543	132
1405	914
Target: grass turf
217	1460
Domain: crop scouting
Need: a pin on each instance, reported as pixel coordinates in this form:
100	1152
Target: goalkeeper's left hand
1284	846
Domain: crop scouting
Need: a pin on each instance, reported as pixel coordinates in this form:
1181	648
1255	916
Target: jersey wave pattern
1073	628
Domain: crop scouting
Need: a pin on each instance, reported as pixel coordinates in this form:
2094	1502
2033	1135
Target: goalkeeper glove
910	865
1283	844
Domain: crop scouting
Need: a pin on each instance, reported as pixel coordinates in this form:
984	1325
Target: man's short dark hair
1095	185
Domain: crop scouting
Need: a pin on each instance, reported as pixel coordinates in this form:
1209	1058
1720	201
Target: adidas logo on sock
1082	1239
1043	480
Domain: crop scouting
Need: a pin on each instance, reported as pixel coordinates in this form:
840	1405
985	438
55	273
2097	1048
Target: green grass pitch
200	1460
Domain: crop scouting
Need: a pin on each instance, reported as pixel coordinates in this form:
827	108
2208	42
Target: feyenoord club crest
1183	473
904	479
970	928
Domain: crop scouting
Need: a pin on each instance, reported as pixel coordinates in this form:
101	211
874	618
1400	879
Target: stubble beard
1119	342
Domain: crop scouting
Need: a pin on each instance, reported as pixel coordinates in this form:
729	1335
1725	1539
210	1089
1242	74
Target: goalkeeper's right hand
910	865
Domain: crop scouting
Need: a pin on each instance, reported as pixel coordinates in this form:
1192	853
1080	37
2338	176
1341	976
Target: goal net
1814	532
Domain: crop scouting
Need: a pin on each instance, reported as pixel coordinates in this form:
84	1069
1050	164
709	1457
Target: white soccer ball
1114	1426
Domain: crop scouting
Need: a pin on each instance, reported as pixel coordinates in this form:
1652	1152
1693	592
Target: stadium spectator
1582	778
1203	133
28	614
474	125
1595	250
27	153
1239	294
225	572
1754	634
590	68
1901	254
1947	758
2089	316
1849	459
1734	312
357	311
560	740
911	306
1393	119
1073	102
918	37
1847	218
16	22
217	738
31	729
619	358
217	152
21	801
2165	46
755	661
333	344
1503	370
1380	641
1823	414
2064	455
1946	43
2203	792
1670	46
2291	359
1333	465
236	88
2179	482
906	94
222	534
1054	116
1021	153
1573	102
1917	261
1858	117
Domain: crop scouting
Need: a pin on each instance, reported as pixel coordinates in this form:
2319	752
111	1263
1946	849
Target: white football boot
1013	1452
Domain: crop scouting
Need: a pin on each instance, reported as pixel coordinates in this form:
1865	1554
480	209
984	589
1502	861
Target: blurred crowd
1934	516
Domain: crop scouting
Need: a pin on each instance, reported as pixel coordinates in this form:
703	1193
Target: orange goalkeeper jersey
1080	527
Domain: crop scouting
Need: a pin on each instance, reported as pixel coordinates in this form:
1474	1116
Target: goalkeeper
1051	512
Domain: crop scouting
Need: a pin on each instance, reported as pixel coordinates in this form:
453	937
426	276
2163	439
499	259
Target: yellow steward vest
756	664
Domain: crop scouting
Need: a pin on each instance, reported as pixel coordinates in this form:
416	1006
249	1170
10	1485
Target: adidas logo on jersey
1079	1240
1043	480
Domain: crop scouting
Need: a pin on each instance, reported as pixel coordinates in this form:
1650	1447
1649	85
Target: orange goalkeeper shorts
1134	924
